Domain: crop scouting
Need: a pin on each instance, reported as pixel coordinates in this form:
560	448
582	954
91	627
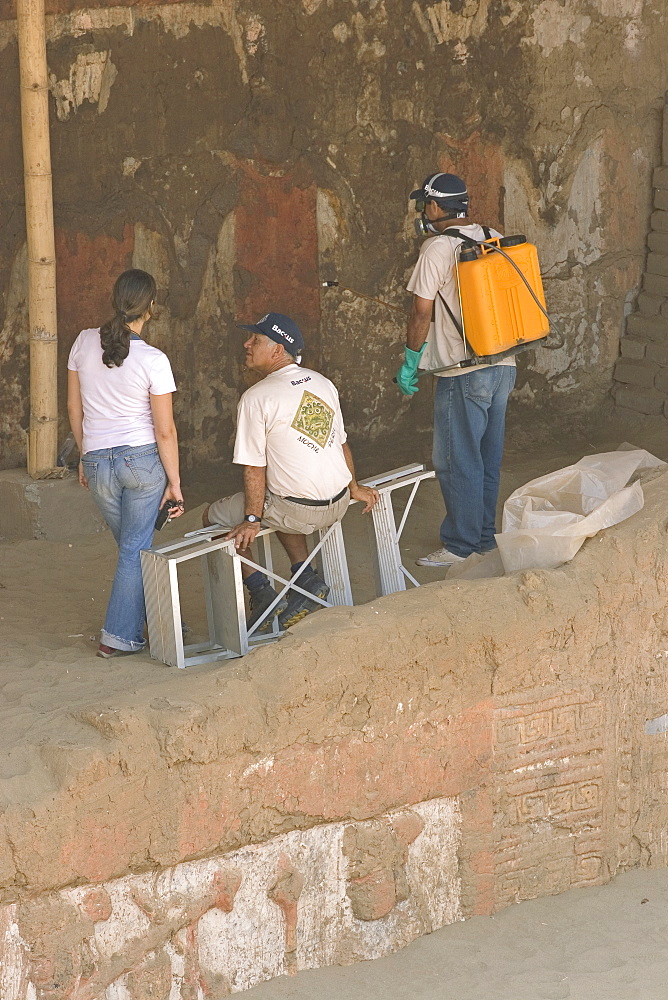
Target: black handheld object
164	512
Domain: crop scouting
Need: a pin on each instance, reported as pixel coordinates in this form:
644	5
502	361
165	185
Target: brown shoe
109	651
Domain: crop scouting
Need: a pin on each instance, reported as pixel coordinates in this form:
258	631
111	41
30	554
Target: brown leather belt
317	503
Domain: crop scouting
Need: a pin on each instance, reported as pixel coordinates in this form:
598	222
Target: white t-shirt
116	404
434	273
291	423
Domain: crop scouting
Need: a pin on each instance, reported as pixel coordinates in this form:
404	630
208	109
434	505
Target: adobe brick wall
384	771
641	373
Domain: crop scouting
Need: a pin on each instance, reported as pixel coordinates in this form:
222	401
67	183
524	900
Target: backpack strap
455	322
467	240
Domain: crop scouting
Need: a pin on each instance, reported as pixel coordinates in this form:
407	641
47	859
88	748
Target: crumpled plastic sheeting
546	521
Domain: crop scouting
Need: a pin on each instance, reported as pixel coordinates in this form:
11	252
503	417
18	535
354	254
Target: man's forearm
418	323
366	494
255	481
348	455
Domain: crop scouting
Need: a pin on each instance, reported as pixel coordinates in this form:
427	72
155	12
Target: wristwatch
252	518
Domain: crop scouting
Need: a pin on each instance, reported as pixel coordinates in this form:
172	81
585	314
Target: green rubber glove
407	377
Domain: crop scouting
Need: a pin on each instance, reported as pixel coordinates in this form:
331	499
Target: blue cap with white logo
281	329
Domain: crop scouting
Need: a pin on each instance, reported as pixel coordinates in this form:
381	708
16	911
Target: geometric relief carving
549	761
536	727
559	801
565	721
590	715
547	878
515	728
588	868
586	796
508	732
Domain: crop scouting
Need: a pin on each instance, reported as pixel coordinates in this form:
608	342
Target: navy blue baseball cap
447	190
281	329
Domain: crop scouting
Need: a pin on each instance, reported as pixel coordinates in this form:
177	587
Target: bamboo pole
43	433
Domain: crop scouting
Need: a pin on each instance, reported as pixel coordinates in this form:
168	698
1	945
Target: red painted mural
86	271
481	165
277	251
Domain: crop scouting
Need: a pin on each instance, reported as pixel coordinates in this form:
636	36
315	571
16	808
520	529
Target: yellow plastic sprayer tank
498	310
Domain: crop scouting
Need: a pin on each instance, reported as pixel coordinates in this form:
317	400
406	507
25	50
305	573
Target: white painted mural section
221	925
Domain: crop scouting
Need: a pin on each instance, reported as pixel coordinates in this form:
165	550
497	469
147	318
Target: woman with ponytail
120	406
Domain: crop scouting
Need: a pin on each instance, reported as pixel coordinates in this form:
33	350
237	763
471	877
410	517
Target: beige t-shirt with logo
291	423
434	273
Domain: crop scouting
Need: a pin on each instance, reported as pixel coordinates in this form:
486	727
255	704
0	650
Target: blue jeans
127	484
469	425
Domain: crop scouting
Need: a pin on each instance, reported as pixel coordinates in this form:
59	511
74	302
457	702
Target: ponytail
115	341
133	296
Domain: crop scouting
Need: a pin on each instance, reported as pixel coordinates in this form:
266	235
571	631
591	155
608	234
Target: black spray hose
388	305
467	362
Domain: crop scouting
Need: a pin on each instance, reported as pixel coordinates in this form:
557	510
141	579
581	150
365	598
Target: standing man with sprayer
470	402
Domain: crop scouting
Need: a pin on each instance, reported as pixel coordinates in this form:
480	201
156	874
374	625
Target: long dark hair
132	297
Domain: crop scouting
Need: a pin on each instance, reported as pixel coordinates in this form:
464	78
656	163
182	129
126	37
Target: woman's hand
82	476
173	493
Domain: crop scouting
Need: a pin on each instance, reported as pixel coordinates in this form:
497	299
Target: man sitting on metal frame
299	474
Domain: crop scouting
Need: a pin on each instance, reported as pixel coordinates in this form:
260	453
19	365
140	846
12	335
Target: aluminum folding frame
223	585
389	571
223	590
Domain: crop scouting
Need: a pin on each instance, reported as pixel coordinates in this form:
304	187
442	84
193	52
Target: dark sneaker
259	602
300	606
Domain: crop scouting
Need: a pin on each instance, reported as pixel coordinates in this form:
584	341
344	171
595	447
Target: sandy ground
607	943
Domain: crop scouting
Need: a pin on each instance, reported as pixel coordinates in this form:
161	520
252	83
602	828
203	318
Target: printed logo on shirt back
314	418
